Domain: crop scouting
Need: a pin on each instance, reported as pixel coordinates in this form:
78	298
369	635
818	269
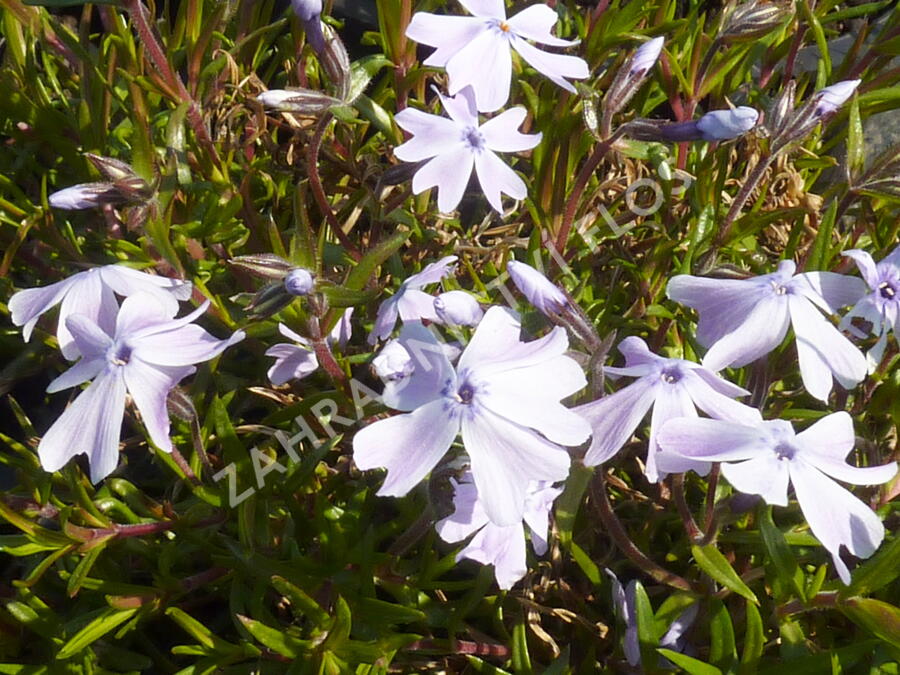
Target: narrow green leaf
301	603
876	572
275	638
722	650
754	641
96	629
521	660
364	269
879	618
785	563
717	566
80	573
648	633
689	664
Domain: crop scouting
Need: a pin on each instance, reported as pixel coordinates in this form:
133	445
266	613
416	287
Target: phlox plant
464	336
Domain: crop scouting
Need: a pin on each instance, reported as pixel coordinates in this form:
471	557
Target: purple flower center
119	354
887	290
670	375
785	451
473	138
779	289
465	393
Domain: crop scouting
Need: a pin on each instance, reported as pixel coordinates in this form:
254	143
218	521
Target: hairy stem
753	178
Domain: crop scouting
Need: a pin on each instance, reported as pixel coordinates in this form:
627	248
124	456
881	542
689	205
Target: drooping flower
742	320
504	396
538	289
454	146
673	388
497	545
92	293
476	50
881	306
458	308
409	302
145	355
292	361
763	458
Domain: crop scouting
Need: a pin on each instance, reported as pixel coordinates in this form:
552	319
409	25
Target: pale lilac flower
292	362
504	396
829	99
458	144
458	308
498	545
881	306
476	50
763	458
742	320
716	125
343	330
393	362
309	12
538	289
673	388
144	357
409	302
92	293
299	282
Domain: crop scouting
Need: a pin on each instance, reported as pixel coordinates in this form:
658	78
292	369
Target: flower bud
393	362
264	265
458	308
336	62
722	125
829	99
645	57
299	282
309	13
343	330
301	101
539	290
84	196
112	169
270	300
627	81
753	20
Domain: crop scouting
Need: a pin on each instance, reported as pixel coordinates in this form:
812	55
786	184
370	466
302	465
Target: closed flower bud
721	125
301	101
393	362
299	282
829	99
336	62
539	290
112	169
270	300
264	265
84	196
753	20
645	57
627	82
458	308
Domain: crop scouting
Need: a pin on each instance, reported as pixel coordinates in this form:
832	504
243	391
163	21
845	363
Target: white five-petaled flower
92	293
456	144
476	50
504	396
497	545
742	320
409	302
673	388
292	362
881	306
540	291
763	458
145	355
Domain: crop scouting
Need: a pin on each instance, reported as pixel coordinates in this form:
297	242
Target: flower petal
823	351
91	425
448	33
127	281
432	371
416	305
496	346
536	23
766	476
501	133
385	320
468	515
434	135
91	341
757	334
671	402
502	547
450	172
713	440
91	298
27	305
505	457
293	362
828	290
490	9
184	346
149	387
614	418
538	503
556	67
86	369
714	403
835	516
408	446
497	178
432	273
485	64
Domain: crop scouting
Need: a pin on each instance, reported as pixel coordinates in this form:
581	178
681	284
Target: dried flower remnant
91	293
498	545
763	458
456	145
673	388
742	320
503	396
145	356
476	50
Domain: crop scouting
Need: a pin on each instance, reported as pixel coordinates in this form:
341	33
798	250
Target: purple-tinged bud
112	169
264	265
309	13
722	125
539	290
829	99
458	308
299	282
336	62
393	362
676	132
645	57
84	196
753	20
